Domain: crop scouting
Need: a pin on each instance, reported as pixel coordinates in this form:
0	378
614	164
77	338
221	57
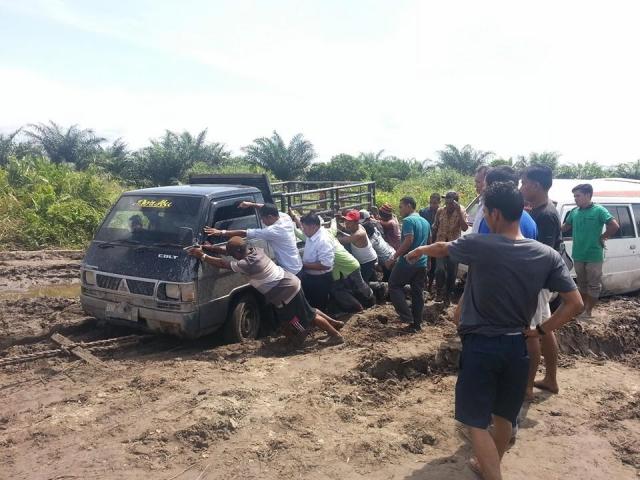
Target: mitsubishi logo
123	286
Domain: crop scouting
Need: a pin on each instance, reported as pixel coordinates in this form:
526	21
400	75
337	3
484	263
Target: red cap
352	216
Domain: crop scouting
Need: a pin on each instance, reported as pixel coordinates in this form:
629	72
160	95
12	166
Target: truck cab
137	273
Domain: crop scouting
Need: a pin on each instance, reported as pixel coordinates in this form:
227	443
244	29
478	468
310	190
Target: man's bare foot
547	386
332	340
474	465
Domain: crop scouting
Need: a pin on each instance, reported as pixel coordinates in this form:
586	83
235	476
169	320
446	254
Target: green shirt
586	225
344	264
417	226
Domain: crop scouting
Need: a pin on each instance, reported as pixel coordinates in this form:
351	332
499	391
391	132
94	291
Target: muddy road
379	407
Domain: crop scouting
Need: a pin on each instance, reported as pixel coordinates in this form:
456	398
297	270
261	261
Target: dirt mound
382	365
615	334
202	434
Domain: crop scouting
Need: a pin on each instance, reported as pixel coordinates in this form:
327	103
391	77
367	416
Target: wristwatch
540	330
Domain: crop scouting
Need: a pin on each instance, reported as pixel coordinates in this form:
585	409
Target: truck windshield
152	219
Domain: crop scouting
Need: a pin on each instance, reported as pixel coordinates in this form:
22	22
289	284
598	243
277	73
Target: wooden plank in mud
79	352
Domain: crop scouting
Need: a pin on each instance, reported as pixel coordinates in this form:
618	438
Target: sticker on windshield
154	203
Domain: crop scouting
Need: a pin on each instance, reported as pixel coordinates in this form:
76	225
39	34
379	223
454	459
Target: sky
351	76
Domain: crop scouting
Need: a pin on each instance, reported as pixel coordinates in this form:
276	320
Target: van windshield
152	219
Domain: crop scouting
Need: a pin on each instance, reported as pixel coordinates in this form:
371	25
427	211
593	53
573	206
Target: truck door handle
632	247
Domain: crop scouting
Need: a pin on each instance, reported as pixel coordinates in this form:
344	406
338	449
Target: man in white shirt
481	173
279	233
317	261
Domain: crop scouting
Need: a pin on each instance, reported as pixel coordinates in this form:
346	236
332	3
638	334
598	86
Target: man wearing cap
361	247
279	287
449	224
390	225
350	292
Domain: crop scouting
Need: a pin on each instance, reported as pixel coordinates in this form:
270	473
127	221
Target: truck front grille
110	283
140	287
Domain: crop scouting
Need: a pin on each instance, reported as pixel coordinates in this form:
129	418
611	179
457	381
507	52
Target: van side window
230	217
636	213
623	216
569	233
626	225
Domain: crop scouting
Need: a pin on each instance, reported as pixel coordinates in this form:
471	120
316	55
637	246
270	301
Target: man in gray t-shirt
506	272
505	276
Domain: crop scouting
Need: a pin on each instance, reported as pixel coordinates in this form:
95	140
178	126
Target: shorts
297	314
492	378
589	277
543	312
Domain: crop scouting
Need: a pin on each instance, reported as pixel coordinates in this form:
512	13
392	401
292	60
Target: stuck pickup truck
137	273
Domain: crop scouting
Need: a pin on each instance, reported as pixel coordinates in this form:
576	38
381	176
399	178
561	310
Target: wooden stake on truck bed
78	351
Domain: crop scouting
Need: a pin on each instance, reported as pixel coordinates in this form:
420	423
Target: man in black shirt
429	214
536	182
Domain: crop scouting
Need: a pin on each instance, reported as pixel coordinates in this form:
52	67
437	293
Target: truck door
216	285
620	272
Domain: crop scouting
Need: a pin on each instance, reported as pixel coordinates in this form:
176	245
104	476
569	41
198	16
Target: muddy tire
244	320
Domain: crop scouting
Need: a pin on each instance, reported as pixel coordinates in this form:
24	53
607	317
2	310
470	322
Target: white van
621	269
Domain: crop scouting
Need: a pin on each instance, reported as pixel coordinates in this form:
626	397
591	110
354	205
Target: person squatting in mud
506	273
279	287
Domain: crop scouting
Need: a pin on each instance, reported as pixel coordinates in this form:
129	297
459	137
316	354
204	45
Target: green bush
433	181
43	204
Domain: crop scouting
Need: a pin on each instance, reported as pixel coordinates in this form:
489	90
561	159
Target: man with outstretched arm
506	272
279	287
279	233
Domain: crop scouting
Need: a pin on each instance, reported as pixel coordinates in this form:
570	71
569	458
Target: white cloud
502	76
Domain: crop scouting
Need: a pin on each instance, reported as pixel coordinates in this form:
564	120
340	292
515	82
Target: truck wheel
244	320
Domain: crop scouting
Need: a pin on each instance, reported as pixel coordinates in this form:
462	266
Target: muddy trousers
352	293
316	289
405	274
446	272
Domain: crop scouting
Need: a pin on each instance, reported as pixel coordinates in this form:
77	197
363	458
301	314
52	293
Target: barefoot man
506	273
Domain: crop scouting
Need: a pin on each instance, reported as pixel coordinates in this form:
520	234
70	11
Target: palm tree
549	159
628	170
584	171
465	160
7	146
76	146
168	158
286	162
371	157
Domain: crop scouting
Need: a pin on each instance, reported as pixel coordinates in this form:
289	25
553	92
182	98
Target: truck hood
158	263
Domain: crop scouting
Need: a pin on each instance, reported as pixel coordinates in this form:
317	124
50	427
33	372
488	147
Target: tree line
170	158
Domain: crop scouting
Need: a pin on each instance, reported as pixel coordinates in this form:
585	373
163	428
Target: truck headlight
172	290
89	277
188	292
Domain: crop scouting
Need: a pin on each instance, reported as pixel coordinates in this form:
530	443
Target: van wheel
244	320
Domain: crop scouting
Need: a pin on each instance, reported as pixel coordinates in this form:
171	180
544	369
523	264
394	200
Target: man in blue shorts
506	273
